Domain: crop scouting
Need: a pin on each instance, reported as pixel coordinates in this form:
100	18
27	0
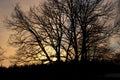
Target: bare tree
2	51
73	29
88	26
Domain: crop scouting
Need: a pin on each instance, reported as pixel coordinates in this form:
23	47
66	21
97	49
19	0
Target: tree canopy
62	30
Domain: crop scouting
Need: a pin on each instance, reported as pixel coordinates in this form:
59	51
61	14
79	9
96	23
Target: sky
6	8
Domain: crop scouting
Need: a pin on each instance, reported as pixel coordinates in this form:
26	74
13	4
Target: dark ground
63	71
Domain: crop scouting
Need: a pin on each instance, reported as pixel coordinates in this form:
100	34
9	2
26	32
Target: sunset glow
7	8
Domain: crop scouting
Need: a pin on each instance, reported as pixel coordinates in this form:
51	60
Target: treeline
62	71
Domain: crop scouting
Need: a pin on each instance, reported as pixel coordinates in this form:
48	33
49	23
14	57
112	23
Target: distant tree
2	51
72	29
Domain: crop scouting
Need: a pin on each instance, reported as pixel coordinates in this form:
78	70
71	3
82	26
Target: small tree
2	51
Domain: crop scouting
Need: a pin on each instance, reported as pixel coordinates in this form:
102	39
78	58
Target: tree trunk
58	49
84	50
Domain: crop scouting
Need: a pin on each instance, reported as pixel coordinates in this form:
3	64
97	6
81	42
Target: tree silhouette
2	51
73	29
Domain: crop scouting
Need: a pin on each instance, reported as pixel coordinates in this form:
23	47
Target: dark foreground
63	71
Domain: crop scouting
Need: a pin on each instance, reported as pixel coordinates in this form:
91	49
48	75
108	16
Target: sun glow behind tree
62	30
